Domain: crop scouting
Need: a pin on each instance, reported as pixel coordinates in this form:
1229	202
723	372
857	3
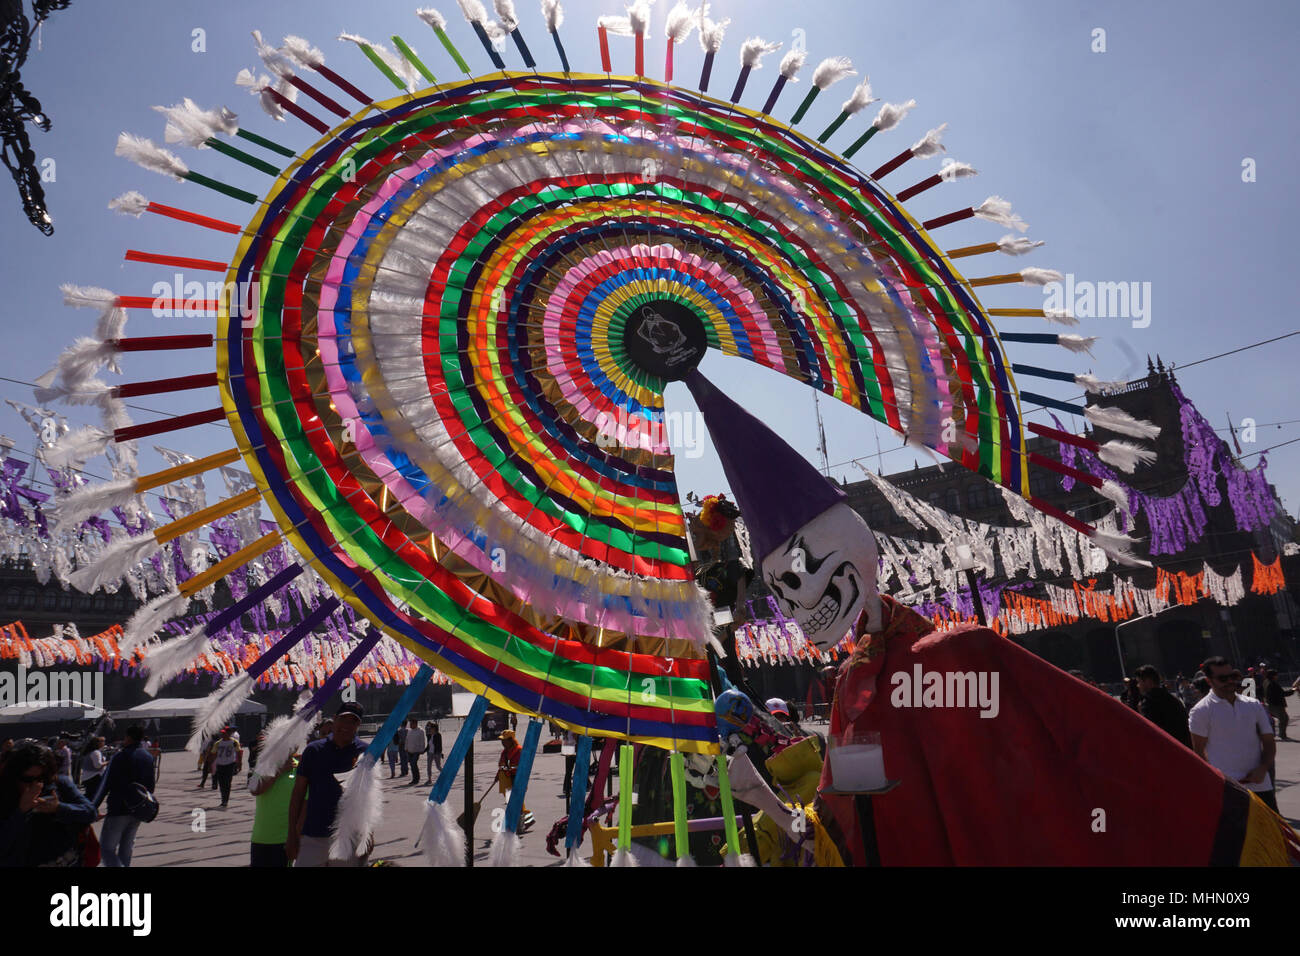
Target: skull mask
824	574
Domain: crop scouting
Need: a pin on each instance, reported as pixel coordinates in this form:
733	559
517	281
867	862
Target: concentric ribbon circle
437	399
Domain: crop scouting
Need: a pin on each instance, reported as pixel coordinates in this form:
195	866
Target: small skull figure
824	574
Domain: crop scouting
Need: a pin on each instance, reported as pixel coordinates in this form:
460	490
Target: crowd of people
1230	719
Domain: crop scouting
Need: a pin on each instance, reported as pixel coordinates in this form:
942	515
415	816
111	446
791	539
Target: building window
29	598
975	497
100	602
954	501
49	599
65	601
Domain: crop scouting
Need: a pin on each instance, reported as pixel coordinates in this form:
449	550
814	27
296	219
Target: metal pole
469	804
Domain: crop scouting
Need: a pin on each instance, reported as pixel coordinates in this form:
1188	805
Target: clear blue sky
1128	163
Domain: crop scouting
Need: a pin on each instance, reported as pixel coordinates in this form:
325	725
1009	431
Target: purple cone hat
776	489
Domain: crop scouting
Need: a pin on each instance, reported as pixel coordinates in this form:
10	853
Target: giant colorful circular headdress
453	316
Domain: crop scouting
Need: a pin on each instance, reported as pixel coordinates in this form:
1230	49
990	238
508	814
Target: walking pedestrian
431	728
1161	707
416	744
131	767
229	761
316	791
1232	733
401	749
1275	699
92	767
392	757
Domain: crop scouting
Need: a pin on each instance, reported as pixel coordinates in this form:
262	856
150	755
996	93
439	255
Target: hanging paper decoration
1180	519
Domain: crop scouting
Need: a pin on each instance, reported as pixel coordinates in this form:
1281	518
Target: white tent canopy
48	710
178	707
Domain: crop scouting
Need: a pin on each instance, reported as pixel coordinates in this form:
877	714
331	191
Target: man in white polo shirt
1233	733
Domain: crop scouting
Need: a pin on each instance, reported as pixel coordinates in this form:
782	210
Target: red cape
1023	787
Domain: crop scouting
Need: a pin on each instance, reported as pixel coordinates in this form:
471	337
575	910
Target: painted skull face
825	574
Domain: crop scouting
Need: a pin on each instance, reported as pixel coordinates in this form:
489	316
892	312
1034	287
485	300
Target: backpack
140	803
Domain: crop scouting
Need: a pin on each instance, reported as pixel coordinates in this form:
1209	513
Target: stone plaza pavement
192	829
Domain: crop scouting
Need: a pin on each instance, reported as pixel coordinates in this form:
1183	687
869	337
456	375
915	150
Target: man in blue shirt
131	765
317	789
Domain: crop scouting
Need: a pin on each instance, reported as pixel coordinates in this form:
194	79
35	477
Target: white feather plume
146	621
91	500
1090	383
617	25
711	31
738	860
129	204
87	297
1125	455
303	53
277	61
832	70
1077	343
1118	546
576	859
218	708
792	63
998	210
1119	421
191	125
86	391
433	18
623	857
1017	245
111	325
285	736
891	114
505	850
679	23
441	838
1060	317
164	661
84	357
113	562
952	169
754	49
76	448
261	87
639	16
506	14
860	98
930	144
686	862
145	153
1036	276
473	10
1115	493
360	811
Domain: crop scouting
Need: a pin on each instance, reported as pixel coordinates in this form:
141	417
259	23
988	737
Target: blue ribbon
456	757
578	793
515	805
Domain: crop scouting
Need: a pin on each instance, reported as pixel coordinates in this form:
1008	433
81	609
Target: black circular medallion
665	338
